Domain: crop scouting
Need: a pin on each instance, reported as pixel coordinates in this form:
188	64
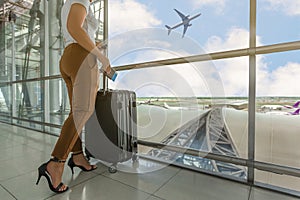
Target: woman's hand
106	65
100	45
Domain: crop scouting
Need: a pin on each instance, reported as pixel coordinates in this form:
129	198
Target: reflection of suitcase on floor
111	132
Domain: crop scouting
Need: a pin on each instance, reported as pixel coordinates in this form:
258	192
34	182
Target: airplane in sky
186	19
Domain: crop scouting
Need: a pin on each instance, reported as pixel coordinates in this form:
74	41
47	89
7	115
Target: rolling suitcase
111	131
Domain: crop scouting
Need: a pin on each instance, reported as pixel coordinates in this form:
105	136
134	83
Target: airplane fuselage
187	20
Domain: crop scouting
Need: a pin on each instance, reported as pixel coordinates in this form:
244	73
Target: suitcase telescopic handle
105	88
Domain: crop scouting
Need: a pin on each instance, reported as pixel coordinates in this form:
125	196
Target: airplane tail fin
296	105
169	29
166	105
297	112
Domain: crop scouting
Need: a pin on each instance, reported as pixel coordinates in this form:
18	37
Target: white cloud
125	15
219	5
283	81
236	38
234	72
290	7
185	80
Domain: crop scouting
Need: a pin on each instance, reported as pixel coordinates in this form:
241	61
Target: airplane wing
185	29
191	18
182	16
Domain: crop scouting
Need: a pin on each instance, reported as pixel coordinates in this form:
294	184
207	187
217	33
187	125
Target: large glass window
5	102
167	112
278	181
32	94
277	118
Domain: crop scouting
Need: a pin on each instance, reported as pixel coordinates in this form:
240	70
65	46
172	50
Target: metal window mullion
13	75
105	27
252	94
44	83
105	40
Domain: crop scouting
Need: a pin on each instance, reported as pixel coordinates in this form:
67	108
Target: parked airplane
185	22
179	108
271	107
296	105
296	112
173	107
149	101
280	107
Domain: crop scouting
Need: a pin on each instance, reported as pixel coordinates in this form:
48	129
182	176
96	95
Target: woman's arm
75	22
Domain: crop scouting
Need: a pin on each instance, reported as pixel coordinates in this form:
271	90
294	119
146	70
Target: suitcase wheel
134	157
112	169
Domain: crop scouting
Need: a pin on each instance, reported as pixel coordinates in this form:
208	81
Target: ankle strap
57	160
77	153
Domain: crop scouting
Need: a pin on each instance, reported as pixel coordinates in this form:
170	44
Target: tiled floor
22	151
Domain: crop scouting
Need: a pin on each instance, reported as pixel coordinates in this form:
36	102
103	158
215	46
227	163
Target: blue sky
223	25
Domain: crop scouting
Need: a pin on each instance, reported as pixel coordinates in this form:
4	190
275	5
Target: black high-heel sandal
71	164
43	172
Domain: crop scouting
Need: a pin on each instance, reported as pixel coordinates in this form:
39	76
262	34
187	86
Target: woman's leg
60	150
78	144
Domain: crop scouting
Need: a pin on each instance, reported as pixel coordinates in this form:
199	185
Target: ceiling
17	6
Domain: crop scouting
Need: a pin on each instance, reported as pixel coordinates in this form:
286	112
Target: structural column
56	94
252	93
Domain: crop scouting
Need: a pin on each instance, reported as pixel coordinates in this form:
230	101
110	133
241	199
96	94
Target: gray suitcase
111	132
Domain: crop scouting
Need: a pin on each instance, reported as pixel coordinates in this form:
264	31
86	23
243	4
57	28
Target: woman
78	67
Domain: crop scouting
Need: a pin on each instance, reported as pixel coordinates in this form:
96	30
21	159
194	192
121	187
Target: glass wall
198	103
32	92
5	102
277	118
249	80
